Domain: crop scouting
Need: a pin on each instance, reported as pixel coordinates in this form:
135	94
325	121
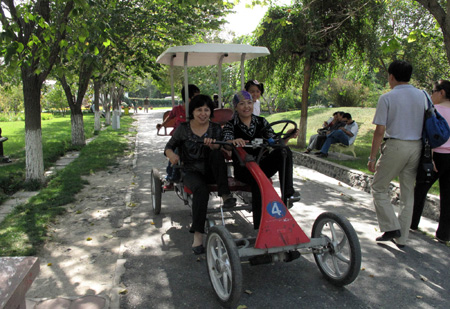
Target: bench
342	148
3	139
16	276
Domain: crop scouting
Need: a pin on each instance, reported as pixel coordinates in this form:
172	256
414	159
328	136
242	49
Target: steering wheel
283	134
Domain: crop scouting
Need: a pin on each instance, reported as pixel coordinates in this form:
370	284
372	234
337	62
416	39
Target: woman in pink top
441	159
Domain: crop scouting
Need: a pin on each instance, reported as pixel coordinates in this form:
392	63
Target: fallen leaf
78	212
152	223
371	276
419	297
423	278
49	264
89	239
363	269
248	292
108	236
132	204
123	291
242	307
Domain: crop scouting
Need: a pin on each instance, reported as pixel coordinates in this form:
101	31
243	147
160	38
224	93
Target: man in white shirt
345	135
399	121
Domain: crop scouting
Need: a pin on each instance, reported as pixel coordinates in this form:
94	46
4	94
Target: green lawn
56	140
363	143
23	230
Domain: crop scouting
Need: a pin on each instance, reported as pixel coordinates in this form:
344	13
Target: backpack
435	128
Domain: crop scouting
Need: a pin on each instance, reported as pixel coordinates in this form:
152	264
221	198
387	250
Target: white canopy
210	54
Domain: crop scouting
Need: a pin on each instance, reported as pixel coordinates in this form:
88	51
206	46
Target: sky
245	20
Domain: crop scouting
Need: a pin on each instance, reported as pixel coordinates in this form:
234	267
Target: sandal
198	250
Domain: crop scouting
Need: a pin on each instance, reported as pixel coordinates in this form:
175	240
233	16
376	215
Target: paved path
161	271
155	268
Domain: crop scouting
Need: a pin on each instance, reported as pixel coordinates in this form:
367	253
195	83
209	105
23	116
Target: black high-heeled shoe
198	250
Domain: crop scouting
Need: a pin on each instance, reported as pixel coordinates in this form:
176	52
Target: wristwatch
371	160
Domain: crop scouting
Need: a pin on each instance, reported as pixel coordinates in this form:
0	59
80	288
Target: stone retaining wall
360	180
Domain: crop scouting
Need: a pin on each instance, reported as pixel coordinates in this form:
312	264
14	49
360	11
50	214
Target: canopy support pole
242	70
186	85
220	78
172	87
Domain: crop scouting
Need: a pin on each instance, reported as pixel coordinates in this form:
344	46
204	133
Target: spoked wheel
340	262
224	266
156	188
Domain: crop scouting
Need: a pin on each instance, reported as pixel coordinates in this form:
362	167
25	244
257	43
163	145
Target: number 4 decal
276	210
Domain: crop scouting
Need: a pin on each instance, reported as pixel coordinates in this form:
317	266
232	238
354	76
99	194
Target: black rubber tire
156	190
224	266
344	249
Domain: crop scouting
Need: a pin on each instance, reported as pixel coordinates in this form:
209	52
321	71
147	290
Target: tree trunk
78	138
34	158
442	15
107	108
301	140
76	115
97	124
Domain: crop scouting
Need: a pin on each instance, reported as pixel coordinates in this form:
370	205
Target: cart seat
168	127
222	115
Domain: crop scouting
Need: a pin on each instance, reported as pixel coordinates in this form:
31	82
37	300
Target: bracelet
371	160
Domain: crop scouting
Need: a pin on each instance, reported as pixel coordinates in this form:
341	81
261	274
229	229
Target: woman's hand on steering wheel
210	143
239	142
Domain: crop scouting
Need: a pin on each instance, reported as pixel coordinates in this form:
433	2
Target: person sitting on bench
243	128
344	135
203	162
316	141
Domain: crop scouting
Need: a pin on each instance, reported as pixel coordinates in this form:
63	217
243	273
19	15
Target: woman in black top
245	127
203	162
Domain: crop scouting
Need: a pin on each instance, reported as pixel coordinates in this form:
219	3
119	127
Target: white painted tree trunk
108	117
116	120
97	123
34	157
78	138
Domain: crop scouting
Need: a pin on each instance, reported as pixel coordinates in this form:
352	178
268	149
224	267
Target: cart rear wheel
156	188
340	262
224	266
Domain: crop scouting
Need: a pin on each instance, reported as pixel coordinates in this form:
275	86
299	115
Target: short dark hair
199	101
402	70
192	90
256	83
443	85
347	115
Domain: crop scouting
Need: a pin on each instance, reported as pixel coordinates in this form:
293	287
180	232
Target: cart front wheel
224	266
340	260
156	188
